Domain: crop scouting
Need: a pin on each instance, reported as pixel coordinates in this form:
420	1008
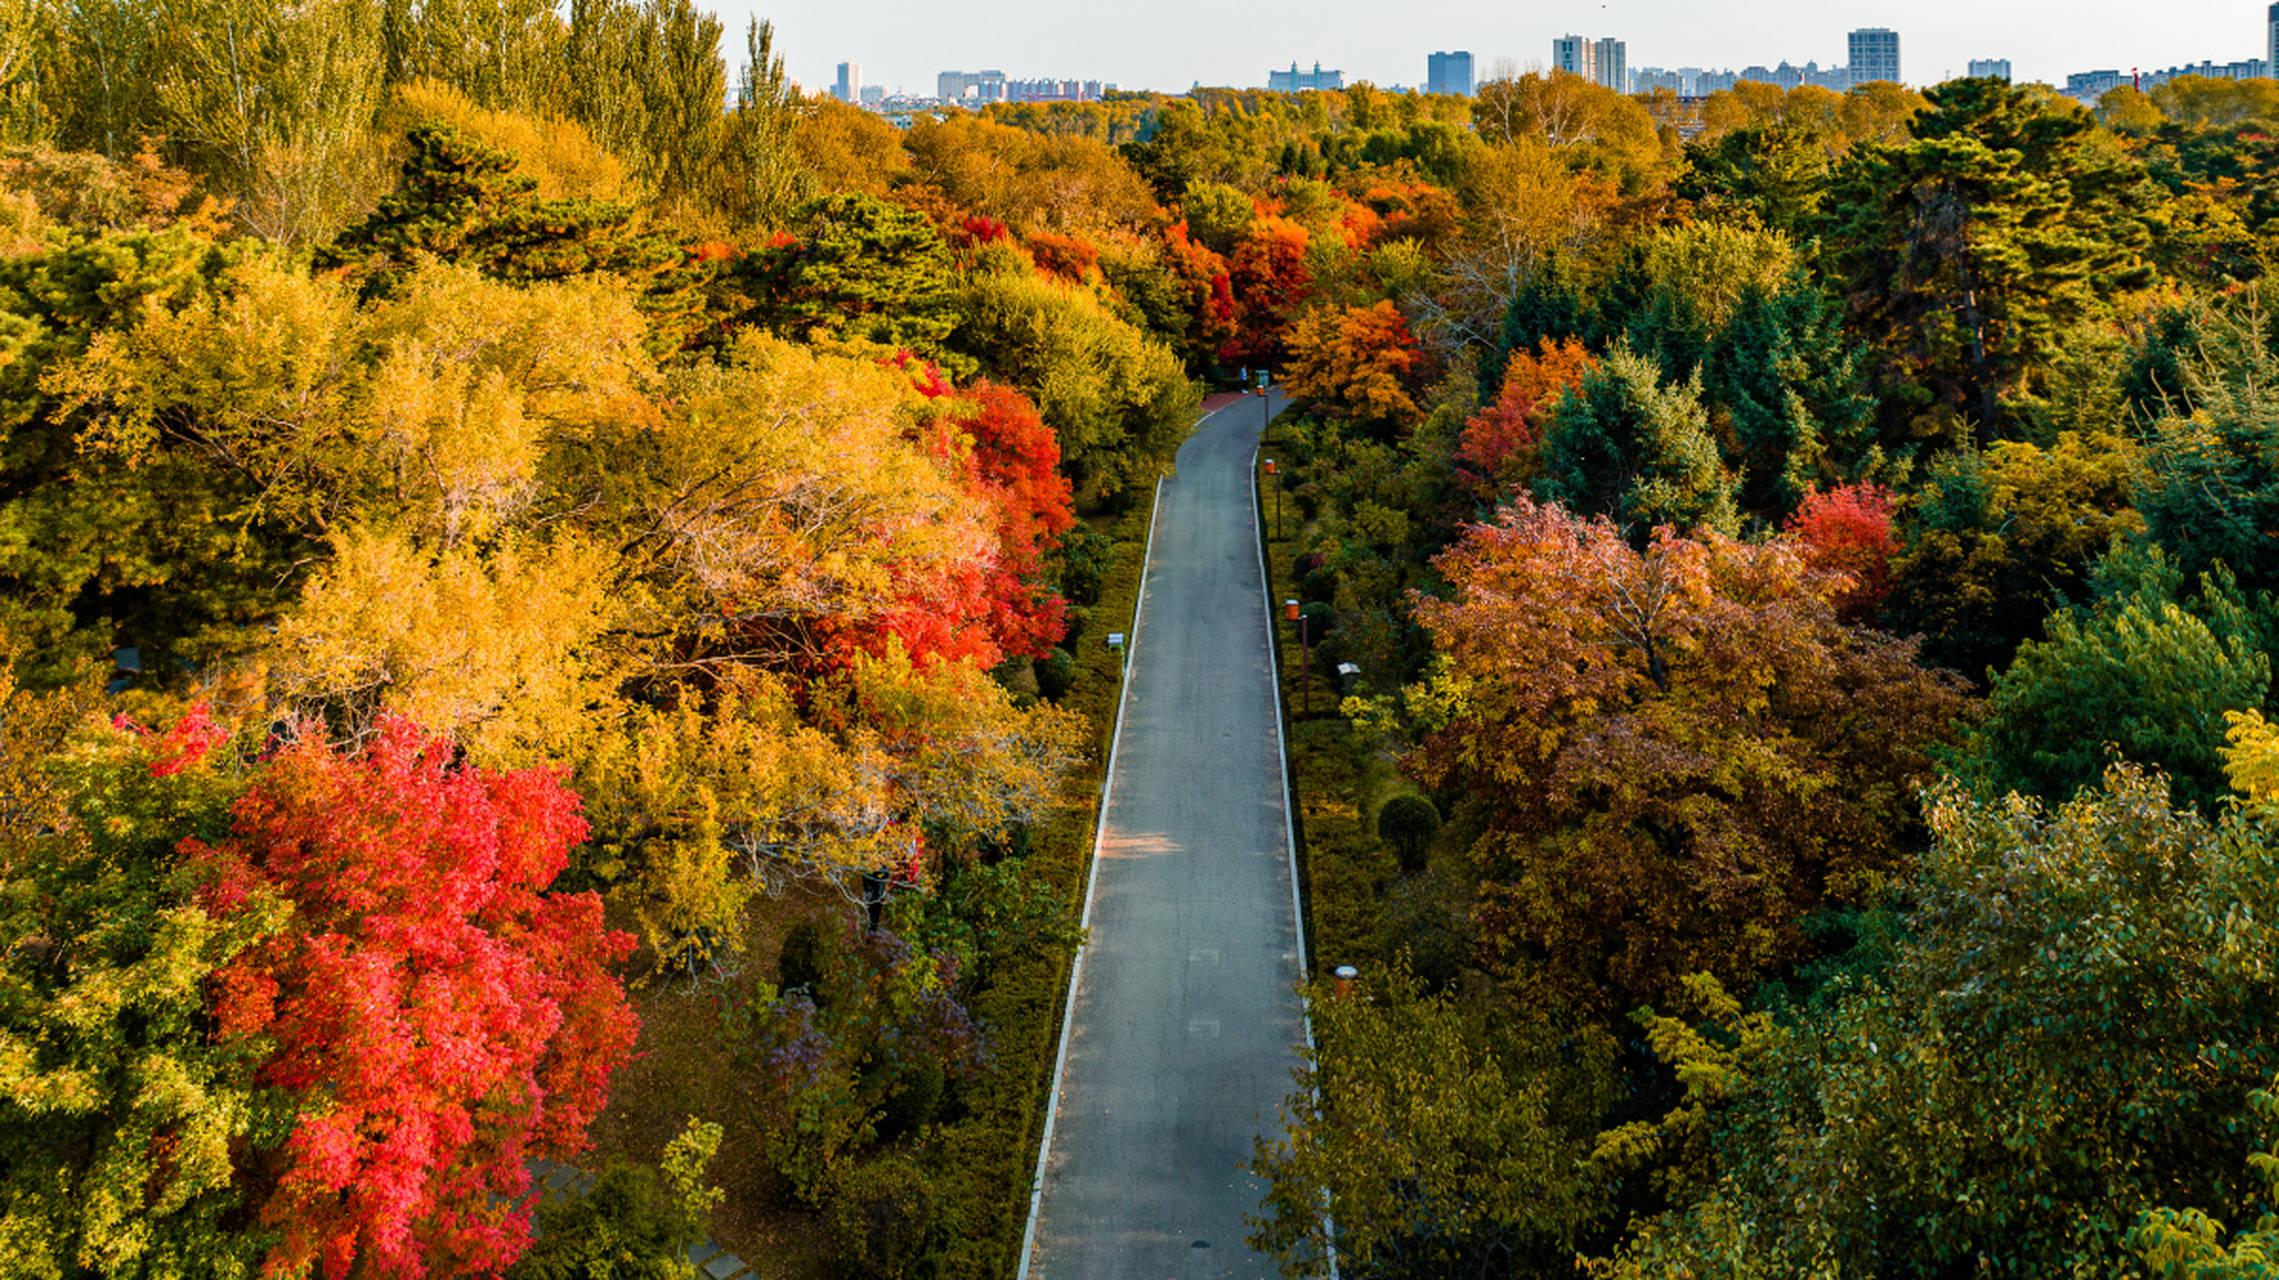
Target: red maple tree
1848	529
438	1018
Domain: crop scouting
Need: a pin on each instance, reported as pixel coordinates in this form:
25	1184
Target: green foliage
1997	540
1408	822
1119	401
2211	492
858	270
880	1218
87	533
1637	450
628	1227
2189	1245
463	202
2143	672
1970	250
1775	173
1434	1149
989	917
1786	389
125	1118
2080	1000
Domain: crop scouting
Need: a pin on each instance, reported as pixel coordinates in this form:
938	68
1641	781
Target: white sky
1171	44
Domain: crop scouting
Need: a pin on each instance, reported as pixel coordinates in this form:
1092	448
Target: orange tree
1683	750
1357	361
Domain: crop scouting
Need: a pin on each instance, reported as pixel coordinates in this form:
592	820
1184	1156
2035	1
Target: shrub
880	1219
1408	823
1055	672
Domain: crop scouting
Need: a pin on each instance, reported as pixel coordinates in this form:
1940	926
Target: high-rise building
1296	81
2271	39
1603	61
1991	68
1449	73
850	85
1875	55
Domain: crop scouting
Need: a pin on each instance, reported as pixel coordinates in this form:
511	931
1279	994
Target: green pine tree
1636	449
1969	251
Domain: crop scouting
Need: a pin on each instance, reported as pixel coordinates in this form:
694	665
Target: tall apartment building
1990	68
1604	61
1449	73
1296	81
2271	38
850	85
1875	55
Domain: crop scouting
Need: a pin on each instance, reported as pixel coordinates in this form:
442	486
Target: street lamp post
1277	498
1305	690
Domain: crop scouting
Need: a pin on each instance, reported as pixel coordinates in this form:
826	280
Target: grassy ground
980	1164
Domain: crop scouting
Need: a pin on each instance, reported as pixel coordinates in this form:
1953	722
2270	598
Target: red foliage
1360	225
182	746
1848	529
1414	211
978	230
995	601
1067	258
438	1017
1270	283
1500	437
1209	287
715	251
925	375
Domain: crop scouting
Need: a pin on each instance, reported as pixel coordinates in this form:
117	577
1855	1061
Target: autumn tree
1360	360
330	1001
438	1018
1849	530
1271	281
1682	749
1501	439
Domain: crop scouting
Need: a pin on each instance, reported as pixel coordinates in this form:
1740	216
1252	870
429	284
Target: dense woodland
553	601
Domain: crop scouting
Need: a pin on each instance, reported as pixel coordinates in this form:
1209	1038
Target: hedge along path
1183	1021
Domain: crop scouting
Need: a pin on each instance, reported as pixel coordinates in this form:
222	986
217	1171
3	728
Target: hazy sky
1171	44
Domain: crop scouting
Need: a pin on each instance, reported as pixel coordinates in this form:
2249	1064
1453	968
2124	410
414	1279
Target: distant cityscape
1873	56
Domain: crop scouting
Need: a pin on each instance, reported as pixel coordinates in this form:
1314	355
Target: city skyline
1173	44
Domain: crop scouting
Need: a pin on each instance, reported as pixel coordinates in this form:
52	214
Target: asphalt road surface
1185	1024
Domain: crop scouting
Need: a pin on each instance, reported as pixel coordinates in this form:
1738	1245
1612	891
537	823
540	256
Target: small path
1184	1024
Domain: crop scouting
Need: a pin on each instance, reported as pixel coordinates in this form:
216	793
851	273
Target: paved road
1185	1024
